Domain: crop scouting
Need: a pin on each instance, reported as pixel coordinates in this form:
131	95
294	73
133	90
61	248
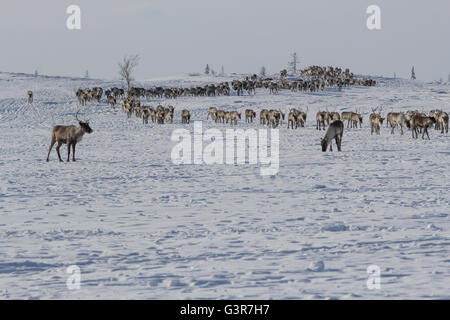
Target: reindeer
220	117
335	131
249	115
356	118
293	119
301	118
335	116
169	115
145	113
263	116
399	119
185	116
111	101
376	121
69	135
30	96
274	117
320	121
443	121
212	111
419	121
346	116
234	116
160	117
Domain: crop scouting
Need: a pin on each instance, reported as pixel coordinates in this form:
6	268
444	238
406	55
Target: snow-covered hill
139	226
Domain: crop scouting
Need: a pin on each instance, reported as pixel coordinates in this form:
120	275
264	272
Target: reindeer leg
52	143
68	150
57	151
73	152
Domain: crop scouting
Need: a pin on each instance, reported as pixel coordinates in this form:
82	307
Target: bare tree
126	68
86	74
413	74
292	65
222	71
207	69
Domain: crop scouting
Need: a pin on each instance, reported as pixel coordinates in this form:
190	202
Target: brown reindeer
263	116
249	115
185	116
69	135
320	121
356	118
111	101
419	121
292	119
220	117
234	116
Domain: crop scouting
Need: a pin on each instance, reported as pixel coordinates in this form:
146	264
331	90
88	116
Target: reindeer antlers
76	117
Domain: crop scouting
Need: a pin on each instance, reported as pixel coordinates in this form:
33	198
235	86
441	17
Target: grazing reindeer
249	115
30	96
301	118
419	121
335	131
185	116
69	135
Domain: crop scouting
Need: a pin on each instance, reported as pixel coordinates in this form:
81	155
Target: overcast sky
182	36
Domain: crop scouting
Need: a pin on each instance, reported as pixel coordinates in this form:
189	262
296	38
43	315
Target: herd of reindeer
319	77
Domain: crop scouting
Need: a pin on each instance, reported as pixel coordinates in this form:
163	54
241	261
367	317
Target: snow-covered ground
139	226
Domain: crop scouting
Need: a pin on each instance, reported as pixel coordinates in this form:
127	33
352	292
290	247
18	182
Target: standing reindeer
376	121
30	96
335	131
69	135
419	121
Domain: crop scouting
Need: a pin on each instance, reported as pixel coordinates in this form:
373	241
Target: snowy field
140	227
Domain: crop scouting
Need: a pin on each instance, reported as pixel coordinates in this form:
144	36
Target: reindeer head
84	124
